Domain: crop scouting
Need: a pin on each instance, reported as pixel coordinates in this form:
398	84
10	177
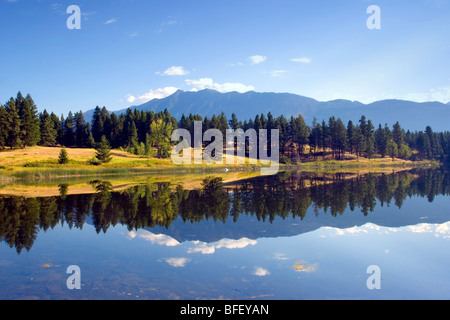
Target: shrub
94	161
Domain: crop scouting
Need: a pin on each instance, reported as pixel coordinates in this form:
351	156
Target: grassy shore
42	163
35	172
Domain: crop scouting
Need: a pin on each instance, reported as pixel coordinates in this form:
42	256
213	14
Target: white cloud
152	94
160	239
441	94
174	71
208	83
235	244
257	59
302	60
130	98
261	272
178	262
353	230
204	248
439	230
110	21
277	73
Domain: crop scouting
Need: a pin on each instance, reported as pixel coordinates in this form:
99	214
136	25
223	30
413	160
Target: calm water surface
290	237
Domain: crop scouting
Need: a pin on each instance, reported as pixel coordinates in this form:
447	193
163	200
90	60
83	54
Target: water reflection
163	206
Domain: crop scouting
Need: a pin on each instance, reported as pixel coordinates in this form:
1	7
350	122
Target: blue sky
130	51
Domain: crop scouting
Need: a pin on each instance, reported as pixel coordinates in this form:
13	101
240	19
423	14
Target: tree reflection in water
150	205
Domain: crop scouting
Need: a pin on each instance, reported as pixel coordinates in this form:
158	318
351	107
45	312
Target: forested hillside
149	133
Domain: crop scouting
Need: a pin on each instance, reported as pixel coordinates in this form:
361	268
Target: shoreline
39	165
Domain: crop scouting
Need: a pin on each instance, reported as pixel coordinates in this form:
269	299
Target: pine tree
382	136
97	124
14	136
234	123
57	125
69	136
300	133
424	146
283	126
103	150
34	135
63	157
116	131
370	140
106	118
341	138
48	131
359	142
4	127
133	138
29	120
315	137
351	137
398	135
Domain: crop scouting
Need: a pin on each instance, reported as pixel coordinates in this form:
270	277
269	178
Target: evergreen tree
4	127
351	137
223	123
103	150
382	136
300	133
58	126
398	134
29	120
33	127
63	157
234	123
324	136
69	136
435	145
424	146
97	124
370	140
133	138
116	131
341	138
14	125
106	119
81	135
48	131
315	137
359	142
283	126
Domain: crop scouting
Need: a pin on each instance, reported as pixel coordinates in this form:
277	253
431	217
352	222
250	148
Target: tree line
265	198
149	133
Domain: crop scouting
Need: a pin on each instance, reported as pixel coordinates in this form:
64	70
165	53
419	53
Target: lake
292	236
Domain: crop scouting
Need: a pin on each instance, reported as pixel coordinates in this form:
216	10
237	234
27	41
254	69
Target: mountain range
411	115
